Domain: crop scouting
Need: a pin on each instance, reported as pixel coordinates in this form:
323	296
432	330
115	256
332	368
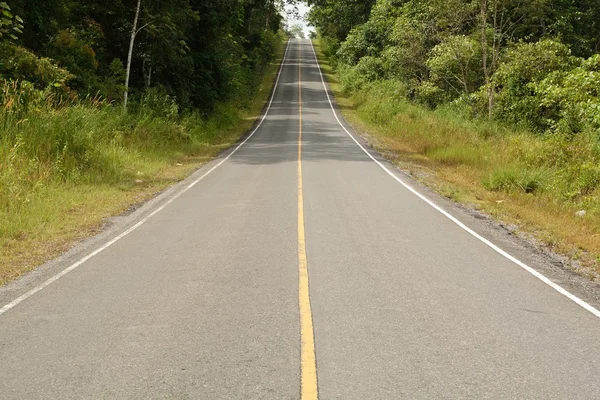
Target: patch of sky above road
292	19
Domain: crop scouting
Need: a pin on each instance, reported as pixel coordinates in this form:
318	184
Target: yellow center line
309	388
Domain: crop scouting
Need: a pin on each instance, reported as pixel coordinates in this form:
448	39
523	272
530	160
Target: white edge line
521	264
77	264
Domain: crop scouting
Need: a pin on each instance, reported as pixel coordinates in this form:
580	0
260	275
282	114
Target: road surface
293	265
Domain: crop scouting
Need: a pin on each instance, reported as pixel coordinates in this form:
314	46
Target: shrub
362	41
113	85
18	63
429	94
455	66
572	98
525	64
405	58
156	102
78	56
369	69
370	38
381	101
329	47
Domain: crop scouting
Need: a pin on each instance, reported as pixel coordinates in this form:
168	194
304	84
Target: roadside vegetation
494	103
70	155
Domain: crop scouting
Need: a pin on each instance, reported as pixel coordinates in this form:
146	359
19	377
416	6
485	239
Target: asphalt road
204	298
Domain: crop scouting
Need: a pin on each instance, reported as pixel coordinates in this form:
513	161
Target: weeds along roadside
548	186
66	165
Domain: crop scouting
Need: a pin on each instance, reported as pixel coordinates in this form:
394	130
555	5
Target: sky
303	9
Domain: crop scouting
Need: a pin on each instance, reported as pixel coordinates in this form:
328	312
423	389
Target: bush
329	47
572	99
455	66
73	49
18	63
390	100
405	57
526	64
369	69
429	94
361	42
578	162
370	38
156	102
113	86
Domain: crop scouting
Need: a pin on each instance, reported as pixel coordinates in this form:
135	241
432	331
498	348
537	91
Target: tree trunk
268	21
147	71
130	54
484	54
496	43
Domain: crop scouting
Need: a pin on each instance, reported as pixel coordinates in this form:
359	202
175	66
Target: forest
198	52
495	103
531	63
195	73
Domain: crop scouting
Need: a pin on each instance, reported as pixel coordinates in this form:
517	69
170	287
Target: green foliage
295	31
156	102
526	72
335	18
91	142
370	38
10	25
407	53
196	64
576	22
112	86
571	99
198	52
455	66
78	57
18	63
362	41
525	65
329	46
564	167
368	69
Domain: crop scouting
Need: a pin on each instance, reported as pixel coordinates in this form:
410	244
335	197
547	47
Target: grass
515	178
536	183
65	170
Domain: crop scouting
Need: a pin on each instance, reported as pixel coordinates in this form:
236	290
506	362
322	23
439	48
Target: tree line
198	52
530	63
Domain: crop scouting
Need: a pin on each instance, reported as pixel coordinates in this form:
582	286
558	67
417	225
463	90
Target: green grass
65	170
536	182
456	155
516	178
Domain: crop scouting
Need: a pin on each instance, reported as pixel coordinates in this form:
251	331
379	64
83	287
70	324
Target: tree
297	30
134	32
454	64
336	18
198	52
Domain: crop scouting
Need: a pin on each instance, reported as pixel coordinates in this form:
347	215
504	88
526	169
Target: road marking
77	264
521	264
309	388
